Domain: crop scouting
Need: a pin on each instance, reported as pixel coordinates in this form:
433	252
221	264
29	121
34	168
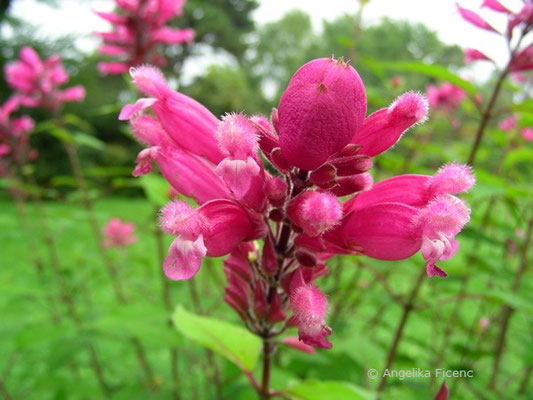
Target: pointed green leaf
233	342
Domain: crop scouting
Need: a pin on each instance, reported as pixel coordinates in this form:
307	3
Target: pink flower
118	233
37	82
405	214
320	147
508	124
483	323
139	28
445	97
14	138
527	134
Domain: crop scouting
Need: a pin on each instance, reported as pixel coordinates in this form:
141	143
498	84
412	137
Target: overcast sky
440	15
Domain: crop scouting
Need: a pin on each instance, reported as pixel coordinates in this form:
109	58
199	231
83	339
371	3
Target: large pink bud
320	112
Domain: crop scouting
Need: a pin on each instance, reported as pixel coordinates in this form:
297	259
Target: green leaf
522	154
233	342
331	390
433	71
155	188
526	106
83	139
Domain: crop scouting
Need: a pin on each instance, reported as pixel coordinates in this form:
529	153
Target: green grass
43	354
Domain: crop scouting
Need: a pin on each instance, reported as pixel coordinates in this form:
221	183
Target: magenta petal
238	174
129	110
228	225
385	231
474	19
184	258
191	175
408	189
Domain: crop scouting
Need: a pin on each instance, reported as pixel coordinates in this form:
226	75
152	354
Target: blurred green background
43	353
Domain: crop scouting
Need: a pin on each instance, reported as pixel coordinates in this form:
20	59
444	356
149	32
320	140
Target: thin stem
97	234
4	391
407	309
267	366
507	310
525	382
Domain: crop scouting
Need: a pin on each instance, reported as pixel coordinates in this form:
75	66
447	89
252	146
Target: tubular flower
14	138
472	55
139	28
509	123
118	233
318	201
37	82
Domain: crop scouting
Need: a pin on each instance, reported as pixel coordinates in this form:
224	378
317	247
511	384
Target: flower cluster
279	224
118	233
446	97
14	138
37	82
518	24
138	29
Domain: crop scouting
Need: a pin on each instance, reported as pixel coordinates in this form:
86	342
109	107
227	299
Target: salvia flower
37	82
279	225
119	233
446	97
14	138
139	30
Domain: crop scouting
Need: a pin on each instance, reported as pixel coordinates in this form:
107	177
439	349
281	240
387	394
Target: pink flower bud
484	323
320	112
315	212
352	184
276	190
310	308
75	93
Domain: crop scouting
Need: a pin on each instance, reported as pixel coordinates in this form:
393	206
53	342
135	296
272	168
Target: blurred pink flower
483	323
472	55
14	138
37	82
118	233
138	29
527	134
508	124
445	97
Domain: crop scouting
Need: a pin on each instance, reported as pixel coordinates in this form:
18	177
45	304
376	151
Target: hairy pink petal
452	178
384	128
178	217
